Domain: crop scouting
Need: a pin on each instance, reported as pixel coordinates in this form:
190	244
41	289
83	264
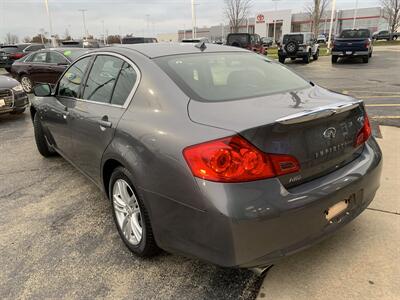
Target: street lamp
276	9
194	21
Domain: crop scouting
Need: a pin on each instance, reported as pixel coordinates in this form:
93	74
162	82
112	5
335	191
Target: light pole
104	34
276	9
85	34
53	43
355	15
193	20
148	24
331	25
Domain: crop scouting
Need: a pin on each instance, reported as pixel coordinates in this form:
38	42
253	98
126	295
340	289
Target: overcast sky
27	17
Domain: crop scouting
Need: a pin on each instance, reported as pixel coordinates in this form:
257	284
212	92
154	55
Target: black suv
299	45
10	53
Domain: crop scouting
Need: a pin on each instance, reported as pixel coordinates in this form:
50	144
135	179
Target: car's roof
153	50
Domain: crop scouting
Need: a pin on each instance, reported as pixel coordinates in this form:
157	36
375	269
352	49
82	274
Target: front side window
214	77
126	81
71	81
102	78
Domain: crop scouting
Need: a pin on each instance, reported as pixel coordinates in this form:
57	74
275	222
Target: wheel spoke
119	205
127	228
136	228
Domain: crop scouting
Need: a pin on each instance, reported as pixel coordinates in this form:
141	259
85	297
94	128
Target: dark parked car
353	43
138	40
248	41
217	153
81	44
11	53
267	42
13	99
386	35
44	66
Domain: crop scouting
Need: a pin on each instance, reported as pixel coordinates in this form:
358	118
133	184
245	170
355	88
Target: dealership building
286	22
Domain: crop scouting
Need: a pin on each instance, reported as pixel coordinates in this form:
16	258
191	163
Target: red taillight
364	133
16	55
367	43
233	159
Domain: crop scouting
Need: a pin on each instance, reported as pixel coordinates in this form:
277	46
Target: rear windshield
241	39
133	40
299	38
214	77
12	49
355	34
73	54
72	44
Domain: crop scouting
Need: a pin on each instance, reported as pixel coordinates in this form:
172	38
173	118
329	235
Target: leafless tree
316	9
11	38
392	13
27	39
237	11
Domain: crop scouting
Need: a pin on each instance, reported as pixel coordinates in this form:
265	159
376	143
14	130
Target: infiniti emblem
330	133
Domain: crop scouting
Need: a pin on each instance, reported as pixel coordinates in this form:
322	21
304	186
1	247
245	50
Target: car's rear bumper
350	53
298	54
253	224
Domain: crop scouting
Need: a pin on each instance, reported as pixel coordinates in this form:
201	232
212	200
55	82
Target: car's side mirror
42	90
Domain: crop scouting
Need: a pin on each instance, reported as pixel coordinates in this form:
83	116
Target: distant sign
260	18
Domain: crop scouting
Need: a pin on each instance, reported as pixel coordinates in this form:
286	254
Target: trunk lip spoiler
319	113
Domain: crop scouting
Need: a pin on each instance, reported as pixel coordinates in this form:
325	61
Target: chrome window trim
131	94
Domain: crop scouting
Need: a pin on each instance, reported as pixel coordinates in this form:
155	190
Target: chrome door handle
105	124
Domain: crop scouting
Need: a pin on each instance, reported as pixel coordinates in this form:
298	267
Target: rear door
38	66
108	89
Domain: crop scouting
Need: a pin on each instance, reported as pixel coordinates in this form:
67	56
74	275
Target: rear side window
71	81
34	48
102	78
355	34
57	58
229	76
9	49
125	83
40	57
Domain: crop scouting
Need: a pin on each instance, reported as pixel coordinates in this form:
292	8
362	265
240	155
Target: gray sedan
211	151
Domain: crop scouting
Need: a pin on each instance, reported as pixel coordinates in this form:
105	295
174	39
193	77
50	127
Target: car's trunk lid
317	127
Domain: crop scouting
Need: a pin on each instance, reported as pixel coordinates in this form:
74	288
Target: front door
94	118
56	110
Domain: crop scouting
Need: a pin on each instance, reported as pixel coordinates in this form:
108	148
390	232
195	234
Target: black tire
147	246
395	38
316	55
370	55
18	112
25	86
307	58
41	143
335	59
291	47
365	59
8	69
282	59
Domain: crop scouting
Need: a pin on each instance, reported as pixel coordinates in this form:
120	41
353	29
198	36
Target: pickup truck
386	35
353	43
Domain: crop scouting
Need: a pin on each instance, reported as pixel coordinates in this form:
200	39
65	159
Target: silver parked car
213	152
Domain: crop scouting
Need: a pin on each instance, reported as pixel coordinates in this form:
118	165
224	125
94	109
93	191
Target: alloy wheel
26	84
127	212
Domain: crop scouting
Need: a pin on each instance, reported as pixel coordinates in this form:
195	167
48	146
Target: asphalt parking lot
58	239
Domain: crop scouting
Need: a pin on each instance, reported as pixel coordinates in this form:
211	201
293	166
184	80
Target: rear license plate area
334	213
